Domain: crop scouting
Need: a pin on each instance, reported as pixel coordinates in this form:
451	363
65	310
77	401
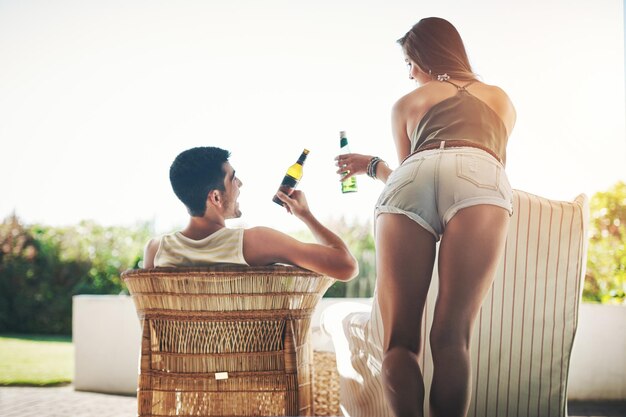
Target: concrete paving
65	402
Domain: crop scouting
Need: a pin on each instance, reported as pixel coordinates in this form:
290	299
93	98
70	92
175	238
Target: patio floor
64	401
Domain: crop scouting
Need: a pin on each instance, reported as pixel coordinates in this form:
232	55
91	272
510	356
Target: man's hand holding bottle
295	203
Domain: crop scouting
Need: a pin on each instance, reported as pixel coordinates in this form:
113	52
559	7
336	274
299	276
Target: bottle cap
305	151
342	134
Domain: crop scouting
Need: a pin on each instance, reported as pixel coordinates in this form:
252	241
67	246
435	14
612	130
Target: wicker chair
225	341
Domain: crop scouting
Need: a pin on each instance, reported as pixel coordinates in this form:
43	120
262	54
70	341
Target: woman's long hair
436	47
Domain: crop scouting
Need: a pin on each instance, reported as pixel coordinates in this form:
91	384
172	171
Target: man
204	180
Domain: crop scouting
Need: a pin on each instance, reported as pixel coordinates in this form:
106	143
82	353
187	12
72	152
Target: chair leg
144	391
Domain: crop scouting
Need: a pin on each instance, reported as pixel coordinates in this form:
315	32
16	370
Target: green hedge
41	268
605	281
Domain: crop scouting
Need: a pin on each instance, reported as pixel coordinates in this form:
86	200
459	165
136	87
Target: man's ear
214	198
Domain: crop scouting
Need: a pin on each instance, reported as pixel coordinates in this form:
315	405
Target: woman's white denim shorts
431	186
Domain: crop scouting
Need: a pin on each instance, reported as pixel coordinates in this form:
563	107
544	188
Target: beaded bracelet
371	167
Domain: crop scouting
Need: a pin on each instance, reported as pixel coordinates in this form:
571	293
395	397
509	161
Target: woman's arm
349	165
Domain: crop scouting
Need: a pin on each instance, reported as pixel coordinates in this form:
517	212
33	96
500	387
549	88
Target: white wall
107	336
598	363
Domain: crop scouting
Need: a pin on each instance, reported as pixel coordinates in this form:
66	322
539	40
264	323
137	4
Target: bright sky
98	97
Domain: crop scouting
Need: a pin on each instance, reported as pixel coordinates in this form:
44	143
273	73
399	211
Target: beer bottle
292	177
349	185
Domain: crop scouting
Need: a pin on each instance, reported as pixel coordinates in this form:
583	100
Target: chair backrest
522	341
225	340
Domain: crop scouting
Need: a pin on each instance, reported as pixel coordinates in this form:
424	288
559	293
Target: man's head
203	174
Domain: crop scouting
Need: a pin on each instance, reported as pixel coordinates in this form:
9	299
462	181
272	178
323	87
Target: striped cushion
522	342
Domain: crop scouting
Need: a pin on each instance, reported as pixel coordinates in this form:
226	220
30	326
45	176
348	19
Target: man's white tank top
222	247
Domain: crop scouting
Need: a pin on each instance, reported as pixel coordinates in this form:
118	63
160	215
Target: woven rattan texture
326	385
226	341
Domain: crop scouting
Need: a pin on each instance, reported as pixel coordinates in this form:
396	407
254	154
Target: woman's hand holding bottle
352	164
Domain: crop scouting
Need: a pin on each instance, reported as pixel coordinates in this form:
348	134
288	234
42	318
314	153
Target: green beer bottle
349	185
292	177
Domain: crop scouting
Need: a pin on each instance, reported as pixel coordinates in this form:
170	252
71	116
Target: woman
450	135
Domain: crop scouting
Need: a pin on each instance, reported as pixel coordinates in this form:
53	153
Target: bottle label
349	185
289	181
287	186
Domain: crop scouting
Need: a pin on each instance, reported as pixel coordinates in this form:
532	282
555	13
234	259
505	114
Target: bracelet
371	167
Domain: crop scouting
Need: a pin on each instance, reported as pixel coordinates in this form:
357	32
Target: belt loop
442	145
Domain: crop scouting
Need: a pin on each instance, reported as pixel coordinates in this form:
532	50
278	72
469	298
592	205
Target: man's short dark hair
196	172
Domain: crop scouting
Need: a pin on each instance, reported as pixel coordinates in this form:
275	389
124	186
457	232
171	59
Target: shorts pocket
480	171
400	177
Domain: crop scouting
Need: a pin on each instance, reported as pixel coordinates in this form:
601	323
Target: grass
36	360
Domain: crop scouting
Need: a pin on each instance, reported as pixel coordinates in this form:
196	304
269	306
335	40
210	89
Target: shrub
41	268
605	279
360	240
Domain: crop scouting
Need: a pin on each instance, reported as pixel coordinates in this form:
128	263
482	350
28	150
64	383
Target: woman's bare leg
469	254
405	254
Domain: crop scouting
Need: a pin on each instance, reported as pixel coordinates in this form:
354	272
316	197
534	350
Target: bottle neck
301	159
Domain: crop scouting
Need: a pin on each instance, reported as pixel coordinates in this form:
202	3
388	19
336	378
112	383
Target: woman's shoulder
414	105
413	101
489	92
498	100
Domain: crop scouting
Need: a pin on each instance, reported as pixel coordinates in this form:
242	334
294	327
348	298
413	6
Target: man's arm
264	246
149	253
